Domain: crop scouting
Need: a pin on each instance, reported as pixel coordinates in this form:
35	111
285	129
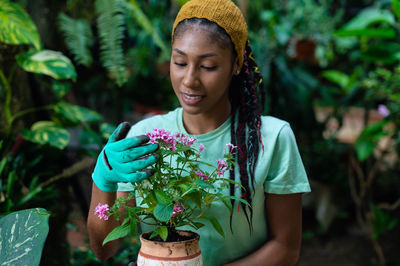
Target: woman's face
201	72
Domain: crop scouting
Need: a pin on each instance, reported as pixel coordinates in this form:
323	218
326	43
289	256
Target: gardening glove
123	159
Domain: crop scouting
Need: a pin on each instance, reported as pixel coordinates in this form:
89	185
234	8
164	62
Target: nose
191	79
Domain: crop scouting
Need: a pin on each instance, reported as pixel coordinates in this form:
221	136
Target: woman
217	82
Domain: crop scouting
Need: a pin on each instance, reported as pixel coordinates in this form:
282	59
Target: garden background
71	70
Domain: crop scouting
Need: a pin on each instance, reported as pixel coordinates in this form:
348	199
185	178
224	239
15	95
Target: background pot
170	253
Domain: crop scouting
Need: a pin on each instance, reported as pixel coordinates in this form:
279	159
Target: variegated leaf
16	26
47	132
47	62
76	113
22	237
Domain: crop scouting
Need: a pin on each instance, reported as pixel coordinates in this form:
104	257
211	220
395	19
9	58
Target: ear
236	68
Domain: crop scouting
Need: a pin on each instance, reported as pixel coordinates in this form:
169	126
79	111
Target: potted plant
178	194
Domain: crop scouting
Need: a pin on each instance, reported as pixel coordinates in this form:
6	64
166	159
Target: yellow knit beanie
222	12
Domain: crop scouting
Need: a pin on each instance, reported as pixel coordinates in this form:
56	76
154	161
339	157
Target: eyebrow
199	56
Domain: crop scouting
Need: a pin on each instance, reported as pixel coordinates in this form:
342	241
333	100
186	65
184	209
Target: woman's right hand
124	159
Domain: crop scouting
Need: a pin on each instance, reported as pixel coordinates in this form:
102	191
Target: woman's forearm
272	253
98	229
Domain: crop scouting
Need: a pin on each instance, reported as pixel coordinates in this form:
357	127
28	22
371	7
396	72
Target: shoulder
166	121
272	126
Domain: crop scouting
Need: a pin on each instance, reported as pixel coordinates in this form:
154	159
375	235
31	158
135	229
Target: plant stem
25	112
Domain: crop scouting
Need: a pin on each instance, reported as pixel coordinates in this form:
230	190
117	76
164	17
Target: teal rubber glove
123	160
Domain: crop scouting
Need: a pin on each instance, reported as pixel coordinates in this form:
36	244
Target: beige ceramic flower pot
170	253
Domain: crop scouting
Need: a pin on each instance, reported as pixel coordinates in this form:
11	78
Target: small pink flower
101	211
221	164
201	175
178	209
231	147
383	110
201	148
221	173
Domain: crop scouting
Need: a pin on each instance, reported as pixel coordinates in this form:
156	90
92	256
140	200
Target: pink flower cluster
102	211
201	175
222	167
178	209
166	137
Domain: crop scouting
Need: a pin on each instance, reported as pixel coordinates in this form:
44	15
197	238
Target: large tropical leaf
47	132
47	62
22	237
16	27
110	23
75	113
78	38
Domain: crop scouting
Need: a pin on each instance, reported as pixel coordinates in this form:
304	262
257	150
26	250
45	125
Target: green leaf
225	201
216	225
60	88
11	180
197	225
47	62
367	140
396	7
163	212
141	18
111	25
16	26
370	16
118	232
382	53
2	164
162	231
78	38
203	184
30	195
195	197
364	148
340	78
384	33
381	221
162	197
46	132
75	113
22	236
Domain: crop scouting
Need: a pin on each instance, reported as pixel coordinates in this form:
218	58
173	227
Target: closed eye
180	64
209	68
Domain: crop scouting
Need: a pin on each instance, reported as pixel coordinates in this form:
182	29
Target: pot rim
196	236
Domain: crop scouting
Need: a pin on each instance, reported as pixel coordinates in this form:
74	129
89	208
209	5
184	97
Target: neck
198	124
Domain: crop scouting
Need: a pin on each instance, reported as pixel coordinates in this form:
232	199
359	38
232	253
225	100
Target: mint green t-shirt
279	170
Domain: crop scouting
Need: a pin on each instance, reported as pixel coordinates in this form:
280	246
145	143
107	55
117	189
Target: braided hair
247	89
245	94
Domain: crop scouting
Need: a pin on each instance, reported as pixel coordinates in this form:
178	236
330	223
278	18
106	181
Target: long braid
245	134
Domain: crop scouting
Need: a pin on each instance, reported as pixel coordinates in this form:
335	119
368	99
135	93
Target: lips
191	99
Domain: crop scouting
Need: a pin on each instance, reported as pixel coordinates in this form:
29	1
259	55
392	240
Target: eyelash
206	68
